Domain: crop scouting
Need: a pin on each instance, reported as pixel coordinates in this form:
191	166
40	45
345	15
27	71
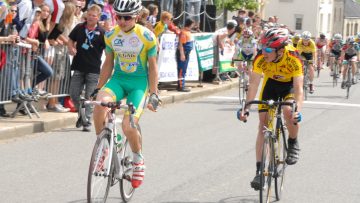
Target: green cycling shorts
135	89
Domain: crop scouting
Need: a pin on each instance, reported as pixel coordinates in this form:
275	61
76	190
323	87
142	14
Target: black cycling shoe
255	183
292	153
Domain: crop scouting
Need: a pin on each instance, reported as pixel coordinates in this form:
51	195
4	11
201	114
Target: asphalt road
197	152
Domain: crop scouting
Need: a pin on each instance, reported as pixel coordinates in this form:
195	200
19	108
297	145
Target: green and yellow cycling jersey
131	50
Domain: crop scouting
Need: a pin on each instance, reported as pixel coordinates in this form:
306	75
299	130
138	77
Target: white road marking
306	102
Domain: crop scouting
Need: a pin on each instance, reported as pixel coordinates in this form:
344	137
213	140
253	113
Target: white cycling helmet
350	40
337	36
127	7
248	32
306	35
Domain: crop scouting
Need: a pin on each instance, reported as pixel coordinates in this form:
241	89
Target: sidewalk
23	125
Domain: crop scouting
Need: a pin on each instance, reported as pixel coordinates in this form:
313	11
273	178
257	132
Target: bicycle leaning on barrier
274	148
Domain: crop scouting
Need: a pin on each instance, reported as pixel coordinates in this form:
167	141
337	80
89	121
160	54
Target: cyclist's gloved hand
242	116
94	93
222	52
298	117
154	101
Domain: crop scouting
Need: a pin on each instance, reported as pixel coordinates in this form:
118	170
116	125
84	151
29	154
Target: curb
21	126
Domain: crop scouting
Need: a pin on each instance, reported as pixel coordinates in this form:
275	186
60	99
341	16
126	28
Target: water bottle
118	142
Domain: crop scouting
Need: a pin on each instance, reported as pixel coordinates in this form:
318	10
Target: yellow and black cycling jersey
310	48
283	71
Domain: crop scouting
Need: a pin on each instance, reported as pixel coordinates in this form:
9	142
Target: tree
233	5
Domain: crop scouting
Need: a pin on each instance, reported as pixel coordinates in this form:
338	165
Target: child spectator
153	12
162	26
186	43
143	16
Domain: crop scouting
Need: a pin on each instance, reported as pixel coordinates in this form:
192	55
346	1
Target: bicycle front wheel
265	172
335	76
99	179
280	164
349	82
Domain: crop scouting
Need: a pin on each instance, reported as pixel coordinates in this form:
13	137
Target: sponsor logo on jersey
119	42
148	36
134	41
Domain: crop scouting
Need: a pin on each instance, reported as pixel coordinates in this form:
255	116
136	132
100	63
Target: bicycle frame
273	163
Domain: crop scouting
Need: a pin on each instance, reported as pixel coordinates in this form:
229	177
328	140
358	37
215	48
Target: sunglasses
126	18
15	11
268	50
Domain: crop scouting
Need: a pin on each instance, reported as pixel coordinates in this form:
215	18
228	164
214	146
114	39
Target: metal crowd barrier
19	70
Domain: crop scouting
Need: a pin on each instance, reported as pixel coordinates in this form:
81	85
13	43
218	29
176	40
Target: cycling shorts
307	56
275	90
245	57
352	57
134	88
335	53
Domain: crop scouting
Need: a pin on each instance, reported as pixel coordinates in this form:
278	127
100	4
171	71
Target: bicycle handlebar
270	103
116	105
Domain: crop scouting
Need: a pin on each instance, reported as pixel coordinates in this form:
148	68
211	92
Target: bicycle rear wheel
280	164
266	172
98	180
126	189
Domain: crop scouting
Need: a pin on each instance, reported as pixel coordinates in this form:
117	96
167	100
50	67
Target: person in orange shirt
185	46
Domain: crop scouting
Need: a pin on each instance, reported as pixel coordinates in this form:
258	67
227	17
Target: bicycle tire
126	189
94	178
335	75
348	82
280	164
265	172
241	86
306	83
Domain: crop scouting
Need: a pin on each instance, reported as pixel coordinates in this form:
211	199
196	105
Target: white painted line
306	102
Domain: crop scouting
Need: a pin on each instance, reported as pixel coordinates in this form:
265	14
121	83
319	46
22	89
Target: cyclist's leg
331	63
353	66
137	89
293	144
111	92
263	117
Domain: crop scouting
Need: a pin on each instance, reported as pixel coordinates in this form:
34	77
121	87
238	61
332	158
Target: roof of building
352	9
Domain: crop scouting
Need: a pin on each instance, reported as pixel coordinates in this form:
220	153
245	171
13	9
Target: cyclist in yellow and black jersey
307	50
283	80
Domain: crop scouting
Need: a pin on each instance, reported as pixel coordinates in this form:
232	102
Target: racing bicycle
111	158
274	150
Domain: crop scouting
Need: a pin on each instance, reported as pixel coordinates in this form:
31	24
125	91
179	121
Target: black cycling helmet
127	7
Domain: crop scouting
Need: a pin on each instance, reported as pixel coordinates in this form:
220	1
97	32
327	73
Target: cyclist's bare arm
106	70
153	78
255	79
153	75
298	91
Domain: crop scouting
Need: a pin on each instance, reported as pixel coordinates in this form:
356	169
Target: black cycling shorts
307	56
275	90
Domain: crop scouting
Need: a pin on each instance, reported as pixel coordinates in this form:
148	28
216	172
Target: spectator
56	11
186	43
86	44
108	8
166	5
143	16
38	34
163	25
59	37
178	10
5	72
3	112
153	12
194	4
